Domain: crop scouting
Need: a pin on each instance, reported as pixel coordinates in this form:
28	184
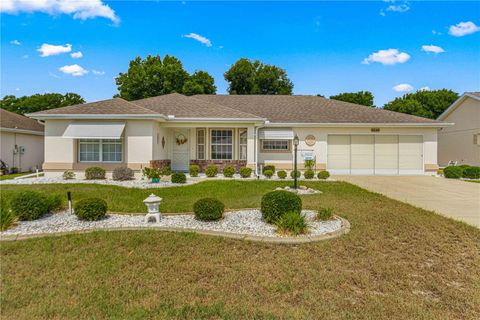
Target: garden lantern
152	203
296	141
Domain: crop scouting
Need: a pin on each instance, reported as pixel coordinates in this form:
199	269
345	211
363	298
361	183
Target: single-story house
460	143
21	141
238	130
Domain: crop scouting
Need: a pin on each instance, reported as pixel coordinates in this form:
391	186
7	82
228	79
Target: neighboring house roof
14	121
458	102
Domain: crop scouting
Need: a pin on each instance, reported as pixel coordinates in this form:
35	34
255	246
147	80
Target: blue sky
324	46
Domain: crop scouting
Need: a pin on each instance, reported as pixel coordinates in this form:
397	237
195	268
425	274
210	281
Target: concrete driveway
455	199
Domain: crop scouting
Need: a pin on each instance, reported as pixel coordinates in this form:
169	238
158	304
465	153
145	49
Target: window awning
105	130
276	134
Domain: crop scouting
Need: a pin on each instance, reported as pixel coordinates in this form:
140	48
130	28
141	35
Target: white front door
181	150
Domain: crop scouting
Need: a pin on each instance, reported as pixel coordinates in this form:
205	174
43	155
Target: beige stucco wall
31	159
456	143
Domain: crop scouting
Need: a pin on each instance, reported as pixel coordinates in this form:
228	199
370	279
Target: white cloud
387	57
84	9
51	74
435	32
98	73
426	88
199	38
432	49
74	70
404	6
403	87
52	50
17	89
15	42
463	28
76	55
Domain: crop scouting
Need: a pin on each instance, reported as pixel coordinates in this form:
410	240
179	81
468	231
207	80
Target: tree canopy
39	102
247	77
423	103
361	97
153	76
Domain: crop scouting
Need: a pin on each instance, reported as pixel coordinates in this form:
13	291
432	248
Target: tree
423	103
199	83
247	77
39	102
153	76
364	98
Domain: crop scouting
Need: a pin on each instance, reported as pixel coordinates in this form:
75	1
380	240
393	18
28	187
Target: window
222	144
201	144
242	144
96	150
276	145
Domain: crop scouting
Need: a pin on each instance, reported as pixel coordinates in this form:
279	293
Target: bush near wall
179	177
268	173
453	172
245	172
228	171
211	171
471	172
323	175
194	170
94	173
122	174
293	173
268	167
309	174
282	174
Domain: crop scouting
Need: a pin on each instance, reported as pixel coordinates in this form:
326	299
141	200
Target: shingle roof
12	120
310	109
475	93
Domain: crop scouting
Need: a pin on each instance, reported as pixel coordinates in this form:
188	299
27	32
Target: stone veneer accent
237	164
159	163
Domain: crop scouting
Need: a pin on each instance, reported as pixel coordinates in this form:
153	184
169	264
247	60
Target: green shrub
292	223
309	164
276	203
471	173
165	171
282	174
122	174
245	172
90	209
94	173
7	217
208	209
228	171
292	174
211	171
453	172
55	203
325	214
179	177
268	173
29	205
268	167
309	174
194	170
323	175
68	175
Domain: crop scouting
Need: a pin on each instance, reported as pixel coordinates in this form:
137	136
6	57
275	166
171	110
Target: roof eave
24	131
95	116
456	103
219	120
354	124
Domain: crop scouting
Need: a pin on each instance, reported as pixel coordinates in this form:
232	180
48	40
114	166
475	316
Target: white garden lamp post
152	203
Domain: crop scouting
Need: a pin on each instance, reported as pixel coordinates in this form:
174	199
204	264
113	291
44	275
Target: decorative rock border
302	190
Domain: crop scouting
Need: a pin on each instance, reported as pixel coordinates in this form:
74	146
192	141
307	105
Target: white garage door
375	154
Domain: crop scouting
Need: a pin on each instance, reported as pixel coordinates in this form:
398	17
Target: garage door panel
362	154
386	154
338	157
410	154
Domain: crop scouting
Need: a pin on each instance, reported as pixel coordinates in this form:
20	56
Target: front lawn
397	262
12	176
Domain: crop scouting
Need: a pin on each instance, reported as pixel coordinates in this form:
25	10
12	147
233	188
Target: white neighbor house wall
31	159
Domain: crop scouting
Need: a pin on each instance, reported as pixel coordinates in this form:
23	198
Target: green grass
397	262
474	181
12	176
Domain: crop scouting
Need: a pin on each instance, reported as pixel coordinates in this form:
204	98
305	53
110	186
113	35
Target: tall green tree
364	98
153	76
199	83
39	102
247	77
423	103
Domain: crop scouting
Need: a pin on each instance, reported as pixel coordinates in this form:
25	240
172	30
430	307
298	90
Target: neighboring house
239	130
21	141
460	143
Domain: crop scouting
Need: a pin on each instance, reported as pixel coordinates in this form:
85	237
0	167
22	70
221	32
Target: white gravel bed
243	222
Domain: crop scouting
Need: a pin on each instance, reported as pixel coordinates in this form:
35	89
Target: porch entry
181	150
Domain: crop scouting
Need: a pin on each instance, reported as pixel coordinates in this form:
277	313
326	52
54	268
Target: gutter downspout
256	147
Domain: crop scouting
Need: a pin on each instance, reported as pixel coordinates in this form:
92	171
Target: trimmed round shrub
268	173
90	209
276	203
211	171
453	172
323	175
325	214
122	174
471	173
282	174
292	174
179	177
194	170
268	167
309	174
29	205
68	175
245	172
292	223
164	171
94	173
208	209
228	171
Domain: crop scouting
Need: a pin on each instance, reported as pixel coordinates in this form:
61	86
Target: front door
181	150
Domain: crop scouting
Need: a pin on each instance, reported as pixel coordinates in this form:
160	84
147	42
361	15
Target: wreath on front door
181	139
